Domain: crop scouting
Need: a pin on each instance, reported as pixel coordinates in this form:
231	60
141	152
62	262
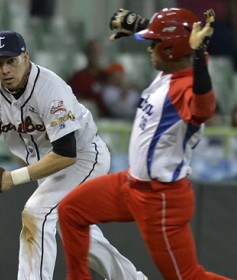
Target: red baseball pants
162	212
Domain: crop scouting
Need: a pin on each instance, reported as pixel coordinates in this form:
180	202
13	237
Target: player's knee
70	214
29	222
36	214
28	214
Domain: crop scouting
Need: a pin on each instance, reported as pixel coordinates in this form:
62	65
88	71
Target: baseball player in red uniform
155	190
43	124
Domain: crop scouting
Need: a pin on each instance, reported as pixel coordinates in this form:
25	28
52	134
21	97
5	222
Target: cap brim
145	34
10	54
139	37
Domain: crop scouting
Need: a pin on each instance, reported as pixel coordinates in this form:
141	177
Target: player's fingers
115	24
195	38
114	19
111	23
210	15
196	27
121	10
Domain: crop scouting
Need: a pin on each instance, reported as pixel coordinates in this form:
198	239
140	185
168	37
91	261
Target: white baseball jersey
47	110
162	136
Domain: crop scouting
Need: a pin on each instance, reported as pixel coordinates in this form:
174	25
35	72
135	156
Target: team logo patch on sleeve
57	107
67	117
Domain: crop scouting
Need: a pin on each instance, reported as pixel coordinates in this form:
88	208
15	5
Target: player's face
168	66
14	70
156	60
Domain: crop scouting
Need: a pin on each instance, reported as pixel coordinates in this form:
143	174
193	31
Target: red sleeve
202	106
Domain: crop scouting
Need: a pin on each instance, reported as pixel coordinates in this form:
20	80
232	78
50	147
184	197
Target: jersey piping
169	118
22	118
4	96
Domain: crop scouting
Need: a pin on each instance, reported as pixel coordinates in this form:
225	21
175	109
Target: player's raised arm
203	102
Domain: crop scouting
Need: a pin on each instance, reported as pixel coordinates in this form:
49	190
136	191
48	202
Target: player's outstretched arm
126	23
62	155
48	165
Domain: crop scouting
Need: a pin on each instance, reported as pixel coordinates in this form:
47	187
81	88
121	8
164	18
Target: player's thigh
99	200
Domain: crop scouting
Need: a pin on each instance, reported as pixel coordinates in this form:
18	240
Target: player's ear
26	55
169	50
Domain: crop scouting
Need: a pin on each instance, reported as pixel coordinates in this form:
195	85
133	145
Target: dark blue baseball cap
11	43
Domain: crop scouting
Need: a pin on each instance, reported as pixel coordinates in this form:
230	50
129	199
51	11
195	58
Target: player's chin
9	84
12	86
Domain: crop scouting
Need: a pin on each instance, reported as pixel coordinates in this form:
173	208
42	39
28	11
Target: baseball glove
1	172
127	23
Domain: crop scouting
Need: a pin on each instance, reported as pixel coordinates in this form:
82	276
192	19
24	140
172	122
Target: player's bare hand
6	181
126	23
200	36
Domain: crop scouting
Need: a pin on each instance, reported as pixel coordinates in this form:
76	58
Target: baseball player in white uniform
44	125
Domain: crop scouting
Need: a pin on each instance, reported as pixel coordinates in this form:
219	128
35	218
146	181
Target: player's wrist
198	54
20	176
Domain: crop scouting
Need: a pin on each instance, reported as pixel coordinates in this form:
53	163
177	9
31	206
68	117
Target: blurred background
71	38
